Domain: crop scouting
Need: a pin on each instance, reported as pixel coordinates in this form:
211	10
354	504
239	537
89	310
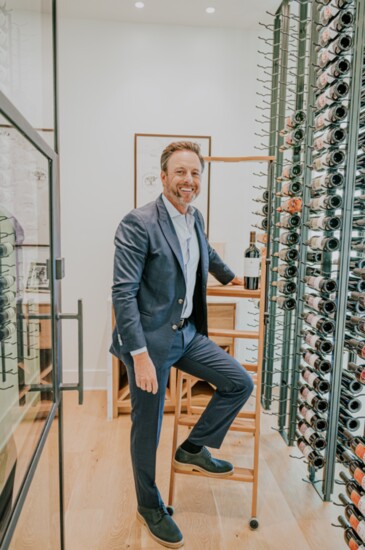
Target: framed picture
38	277
147	181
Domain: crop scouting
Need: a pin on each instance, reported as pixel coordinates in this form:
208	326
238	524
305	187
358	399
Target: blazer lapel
168	230
203	246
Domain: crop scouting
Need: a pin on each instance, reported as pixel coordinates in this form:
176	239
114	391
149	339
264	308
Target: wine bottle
356	284
342	21
323	284
252	264
350	383
354	465
327	244
290	189
338	90
286	287
329	180
317	422
292	171
349	402
6	298
316	342
323	325
349	422
287	254
359	273
289	221
263	226
316	361
358	223
317	382
358	297
357	262
6	249
333	136
289	238
351	538
335	113
327	13
284	303
324	223
354	492
7	315
358	371
6	331
356	444
314	257
356	521
6	281
296	119
292	205
293	139
286	271
357	346
337	3
341	44
325	202
323	305
314	458
316	440
355	308
328	159
319	404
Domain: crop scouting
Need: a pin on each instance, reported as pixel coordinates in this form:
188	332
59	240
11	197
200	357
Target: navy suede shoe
161	526
202	462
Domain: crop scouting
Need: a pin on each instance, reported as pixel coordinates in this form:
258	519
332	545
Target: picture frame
38	279
147	181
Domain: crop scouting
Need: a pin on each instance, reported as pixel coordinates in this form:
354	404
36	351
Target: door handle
79	318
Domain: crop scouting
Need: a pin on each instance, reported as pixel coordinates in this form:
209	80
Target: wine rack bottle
286	271
289	238
314	458
323	325
341	44
314	257
286	287
318	423
252	264
357	297
314	439
7	315
329	180
325	223
284	303
7	298
354	492
349	422
322	284
333	114
322	305
351	403
289	221
7	331
316	342
351	384
293	138
319	404
325	202
356	521
292	205
333	136
296	119
327	244
6	249
329	159
287	254
313	379
339	68
290	189
316	361
356	444
338	90
358	371
6	281
351	538
292	171
357	346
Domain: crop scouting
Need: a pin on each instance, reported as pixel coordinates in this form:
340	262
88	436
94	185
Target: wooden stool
246	421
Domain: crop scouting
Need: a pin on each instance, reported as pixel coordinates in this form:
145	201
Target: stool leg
174	438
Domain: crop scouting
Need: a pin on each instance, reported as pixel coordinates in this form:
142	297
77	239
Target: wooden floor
212	514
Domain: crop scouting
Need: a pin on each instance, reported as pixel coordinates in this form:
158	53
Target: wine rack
317	344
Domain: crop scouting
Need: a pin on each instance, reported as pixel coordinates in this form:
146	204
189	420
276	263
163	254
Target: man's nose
189	177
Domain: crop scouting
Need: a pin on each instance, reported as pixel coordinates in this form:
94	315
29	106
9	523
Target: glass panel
26	61
38	526
25	307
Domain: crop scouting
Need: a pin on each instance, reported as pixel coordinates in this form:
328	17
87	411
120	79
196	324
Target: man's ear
163	177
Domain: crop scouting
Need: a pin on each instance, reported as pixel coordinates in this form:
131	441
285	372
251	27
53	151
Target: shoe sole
195	468
160	541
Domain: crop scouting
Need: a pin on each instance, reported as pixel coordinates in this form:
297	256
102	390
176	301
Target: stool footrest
233	333
240	474
240	424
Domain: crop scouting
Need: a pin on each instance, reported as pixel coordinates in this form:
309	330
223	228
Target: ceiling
243	14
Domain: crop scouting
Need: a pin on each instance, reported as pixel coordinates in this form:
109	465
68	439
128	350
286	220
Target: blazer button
180	301
174	327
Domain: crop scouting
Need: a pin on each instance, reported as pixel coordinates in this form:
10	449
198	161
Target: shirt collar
173	212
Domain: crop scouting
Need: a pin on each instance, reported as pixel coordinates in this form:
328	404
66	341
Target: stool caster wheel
254	524
170	510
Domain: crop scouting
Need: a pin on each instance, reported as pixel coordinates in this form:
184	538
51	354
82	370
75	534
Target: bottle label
251	267
360	530
311	339
361	505
360	451
310	396
353	545
307	451
359	476
311	378
309	415
308	433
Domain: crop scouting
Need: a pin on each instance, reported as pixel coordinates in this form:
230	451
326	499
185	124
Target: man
161	267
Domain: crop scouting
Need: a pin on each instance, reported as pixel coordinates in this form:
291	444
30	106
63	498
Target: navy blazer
149	284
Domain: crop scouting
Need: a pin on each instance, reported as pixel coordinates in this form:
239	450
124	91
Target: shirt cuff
137	351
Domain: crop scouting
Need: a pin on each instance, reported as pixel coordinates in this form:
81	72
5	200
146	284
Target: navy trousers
197	355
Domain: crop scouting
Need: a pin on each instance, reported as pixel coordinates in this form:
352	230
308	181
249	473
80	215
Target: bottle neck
252	238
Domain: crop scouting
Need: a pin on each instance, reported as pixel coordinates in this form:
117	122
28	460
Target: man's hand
145	372
237	281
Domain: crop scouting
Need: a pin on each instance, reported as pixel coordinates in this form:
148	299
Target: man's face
182	181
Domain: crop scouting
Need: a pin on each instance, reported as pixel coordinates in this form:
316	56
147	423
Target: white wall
120	79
